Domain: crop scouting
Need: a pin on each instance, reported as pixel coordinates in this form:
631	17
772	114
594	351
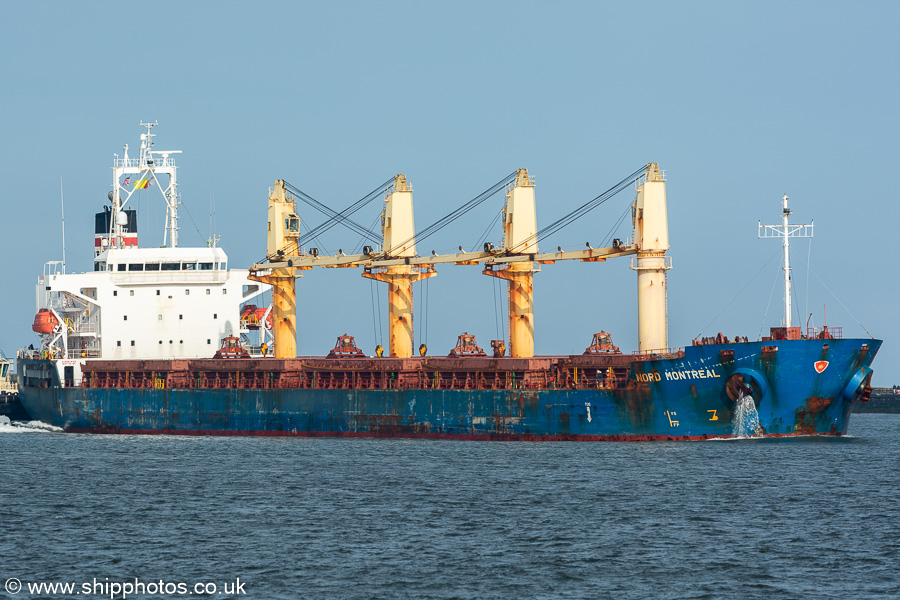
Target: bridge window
171	266
206	266
136	267
121	267
151	267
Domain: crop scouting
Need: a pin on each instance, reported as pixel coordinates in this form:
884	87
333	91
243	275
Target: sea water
358	518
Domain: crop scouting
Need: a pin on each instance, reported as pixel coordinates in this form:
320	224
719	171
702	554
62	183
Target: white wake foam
30	427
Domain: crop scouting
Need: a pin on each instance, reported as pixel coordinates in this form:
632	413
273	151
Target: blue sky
738	102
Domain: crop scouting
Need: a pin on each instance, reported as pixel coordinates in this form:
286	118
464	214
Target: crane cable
418	237
337	217
313	234
487	231
449	218
844	306
582	210
612	231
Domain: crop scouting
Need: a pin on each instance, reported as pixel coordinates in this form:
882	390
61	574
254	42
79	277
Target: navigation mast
786	231
145	169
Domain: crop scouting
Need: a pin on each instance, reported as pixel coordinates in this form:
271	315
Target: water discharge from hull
745	420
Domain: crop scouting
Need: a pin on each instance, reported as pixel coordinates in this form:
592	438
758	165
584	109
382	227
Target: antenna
786	231
62	206
213	238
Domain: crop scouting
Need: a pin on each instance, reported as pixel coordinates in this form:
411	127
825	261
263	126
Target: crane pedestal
520	278
400	304
651	270
284	310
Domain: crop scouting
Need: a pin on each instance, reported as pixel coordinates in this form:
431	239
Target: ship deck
588	371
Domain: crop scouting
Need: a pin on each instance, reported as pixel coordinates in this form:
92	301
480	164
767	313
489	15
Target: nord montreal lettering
678	375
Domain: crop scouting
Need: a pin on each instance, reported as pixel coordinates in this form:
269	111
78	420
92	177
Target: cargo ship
117	354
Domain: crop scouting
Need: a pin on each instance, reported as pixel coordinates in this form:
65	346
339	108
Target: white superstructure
146	303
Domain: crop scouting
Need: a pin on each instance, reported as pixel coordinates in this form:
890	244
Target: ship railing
661	353
667	263
158	161
824	333
83	353
28	354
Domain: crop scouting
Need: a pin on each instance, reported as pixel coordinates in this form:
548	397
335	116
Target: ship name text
678	375
691	374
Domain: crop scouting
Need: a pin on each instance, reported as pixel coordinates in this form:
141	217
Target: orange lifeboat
252	316
45	322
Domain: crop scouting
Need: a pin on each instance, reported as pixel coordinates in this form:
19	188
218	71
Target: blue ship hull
779	388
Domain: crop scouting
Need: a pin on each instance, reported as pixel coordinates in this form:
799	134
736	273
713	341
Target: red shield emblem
821	365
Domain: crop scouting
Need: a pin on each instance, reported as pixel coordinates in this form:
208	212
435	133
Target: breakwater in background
882	400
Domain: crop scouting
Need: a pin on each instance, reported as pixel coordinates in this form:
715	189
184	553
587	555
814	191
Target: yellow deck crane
282	241
399	266
399	242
